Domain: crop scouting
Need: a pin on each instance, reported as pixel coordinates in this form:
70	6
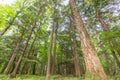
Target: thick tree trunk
93	66
13	74
49	54
13	55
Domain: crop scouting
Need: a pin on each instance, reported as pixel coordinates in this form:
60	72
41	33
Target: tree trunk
30	50
13	74
112	42
94	68
13	55
54	55
116	59
49	54
75	54
106	29
108	64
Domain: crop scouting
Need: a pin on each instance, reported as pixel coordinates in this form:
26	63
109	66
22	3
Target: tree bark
75	54
93	66
13	74
49	54
54	52
13	55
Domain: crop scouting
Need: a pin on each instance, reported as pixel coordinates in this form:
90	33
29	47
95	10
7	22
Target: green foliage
41	14
6	14
110	35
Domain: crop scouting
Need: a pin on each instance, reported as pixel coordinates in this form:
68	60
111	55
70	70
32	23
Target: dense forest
60	40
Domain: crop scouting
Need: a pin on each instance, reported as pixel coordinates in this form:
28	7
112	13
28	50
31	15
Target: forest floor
37	77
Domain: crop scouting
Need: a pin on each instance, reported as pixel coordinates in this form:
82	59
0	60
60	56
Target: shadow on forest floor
37	77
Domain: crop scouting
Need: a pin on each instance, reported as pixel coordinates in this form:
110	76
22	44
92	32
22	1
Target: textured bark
49	54
13	55
93	65
13	74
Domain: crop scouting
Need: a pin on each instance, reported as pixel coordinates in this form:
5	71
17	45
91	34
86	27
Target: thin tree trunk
34	68
54	56
116	59
49	54
31	47
13	74
75	54
93	66
106	29
108	64
13	55
112	42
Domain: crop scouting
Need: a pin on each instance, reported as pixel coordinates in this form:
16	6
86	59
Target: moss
117	77
92	76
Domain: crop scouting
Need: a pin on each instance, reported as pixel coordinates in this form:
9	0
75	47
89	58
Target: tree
49	54
13	55
93	65
54	51
13	74
75	52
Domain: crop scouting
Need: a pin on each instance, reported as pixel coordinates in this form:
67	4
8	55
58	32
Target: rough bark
13	74
93	66
13	55
49	54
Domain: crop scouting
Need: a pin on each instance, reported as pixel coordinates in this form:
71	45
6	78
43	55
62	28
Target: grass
37	77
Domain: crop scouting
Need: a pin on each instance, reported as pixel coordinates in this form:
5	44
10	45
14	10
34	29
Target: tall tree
75	52
93	65
49	54
54	51
112	41
13	55
13	74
